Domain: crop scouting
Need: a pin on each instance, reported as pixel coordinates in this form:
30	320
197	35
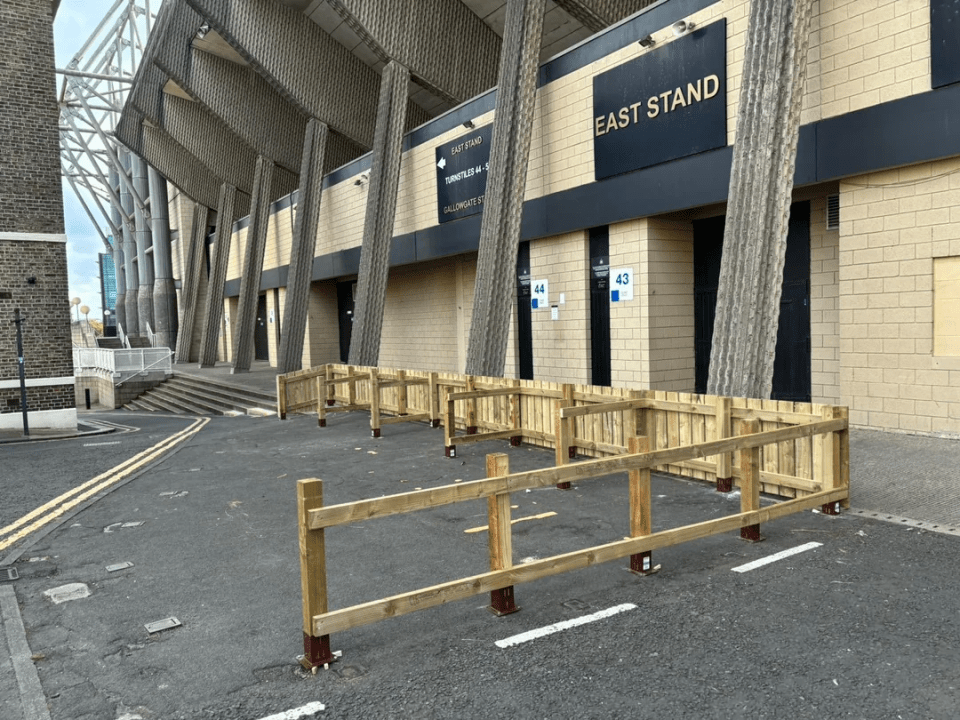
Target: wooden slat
482	437
404	418
768	479
499	530
402	604
607	407
447	494
640	497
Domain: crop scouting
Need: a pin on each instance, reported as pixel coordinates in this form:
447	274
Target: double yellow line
47	513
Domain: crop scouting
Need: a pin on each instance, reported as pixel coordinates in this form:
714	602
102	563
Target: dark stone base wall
53	397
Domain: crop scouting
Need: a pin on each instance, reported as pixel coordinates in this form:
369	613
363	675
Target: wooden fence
590	421
831	489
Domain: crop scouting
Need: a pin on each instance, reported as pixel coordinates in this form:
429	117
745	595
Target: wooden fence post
331	395
313	574
321	390
564	433
750	481
282	397
499	535
434	399
402	392
640	508
374	402
724	460
471	407
515	420
449	426
835	462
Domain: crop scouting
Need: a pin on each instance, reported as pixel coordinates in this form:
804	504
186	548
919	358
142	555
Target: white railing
120	363
151	336
122	335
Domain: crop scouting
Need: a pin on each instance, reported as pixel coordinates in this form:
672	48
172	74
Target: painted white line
778	556
308	709
565	625
115	442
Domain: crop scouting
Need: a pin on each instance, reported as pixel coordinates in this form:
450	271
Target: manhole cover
8	573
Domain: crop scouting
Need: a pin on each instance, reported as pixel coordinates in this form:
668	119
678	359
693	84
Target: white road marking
115	442
308	709
778	556
565	625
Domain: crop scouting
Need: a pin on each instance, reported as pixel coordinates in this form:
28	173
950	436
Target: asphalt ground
866	625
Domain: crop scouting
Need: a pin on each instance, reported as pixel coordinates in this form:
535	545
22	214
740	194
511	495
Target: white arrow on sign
442	164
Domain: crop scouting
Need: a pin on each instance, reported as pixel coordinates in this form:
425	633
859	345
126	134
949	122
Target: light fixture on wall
647	42
469	125
363	179
682	27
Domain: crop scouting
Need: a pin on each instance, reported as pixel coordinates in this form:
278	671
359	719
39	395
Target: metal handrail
151	336
122	335
143	368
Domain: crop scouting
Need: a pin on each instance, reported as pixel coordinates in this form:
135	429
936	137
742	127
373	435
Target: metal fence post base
316	651
502	602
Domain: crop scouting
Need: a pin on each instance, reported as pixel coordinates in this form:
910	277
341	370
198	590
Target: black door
600	305
345	311
524	313
791	366
261	346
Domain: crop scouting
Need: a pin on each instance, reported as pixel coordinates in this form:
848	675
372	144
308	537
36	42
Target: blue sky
76	21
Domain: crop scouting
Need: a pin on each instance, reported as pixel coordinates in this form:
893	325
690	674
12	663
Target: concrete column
131	296
302	247
243	349
758	206
380	214
119	310
192	274
144	240
213	312
503	202
164	290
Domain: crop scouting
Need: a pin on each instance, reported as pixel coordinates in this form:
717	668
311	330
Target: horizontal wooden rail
404	603
346	513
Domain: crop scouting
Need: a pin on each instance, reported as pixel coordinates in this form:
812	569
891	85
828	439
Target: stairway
114	343
191	395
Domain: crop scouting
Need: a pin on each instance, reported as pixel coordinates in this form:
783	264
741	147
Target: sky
76	20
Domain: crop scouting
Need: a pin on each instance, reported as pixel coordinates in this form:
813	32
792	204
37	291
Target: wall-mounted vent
833	212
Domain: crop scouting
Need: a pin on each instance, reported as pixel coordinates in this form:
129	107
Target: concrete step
240	398
139	342
110	343
216	400
192	404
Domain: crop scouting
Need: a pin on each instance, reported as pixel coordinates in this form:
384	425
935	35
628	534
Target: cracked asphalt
864	626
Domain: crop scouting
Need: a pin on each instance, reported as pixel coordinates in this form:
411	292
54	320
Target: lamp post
86	323
76	303
23	376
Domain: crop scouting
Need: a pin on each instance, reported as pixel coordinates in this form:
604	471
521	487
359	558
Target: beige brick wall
427	315
652	336
893	224
322	341
824	307
561	347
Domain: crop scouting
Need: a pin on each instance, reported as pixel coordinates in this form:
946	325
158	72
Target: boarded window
946	306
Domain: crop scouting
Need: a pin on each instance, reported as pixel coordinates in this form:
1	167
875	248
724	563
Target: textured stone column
119	311
144	239
380	215
130	298
503	202
252	266
192	274
758	206
213	312
302	247
164	291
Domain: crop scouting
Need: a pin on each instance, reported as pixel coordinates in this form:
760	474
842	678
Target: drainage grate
945	528
8	573
165	624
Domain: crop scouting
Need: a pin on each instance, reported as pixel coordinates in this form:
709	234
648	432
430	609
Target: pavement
865	624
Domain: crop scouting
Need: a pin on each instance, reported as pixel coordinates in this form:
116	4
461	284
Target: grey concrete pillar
243	349
118	310
302	247
144	239
758	206
190	287
380	214
503	202
213	312
165	317
130	298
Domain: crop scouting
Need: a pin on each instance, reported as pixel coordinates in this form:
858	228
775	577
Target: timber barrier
799	451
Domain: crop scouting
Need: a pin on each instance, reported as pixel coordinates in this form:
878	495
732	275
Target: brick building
33	262
627	182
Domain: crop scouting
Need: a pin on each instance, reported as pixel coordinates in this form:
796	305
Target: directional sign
462	167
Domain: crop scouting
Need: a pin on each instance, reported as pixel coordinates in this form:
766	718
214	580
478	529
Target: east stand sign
462	167
665	104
